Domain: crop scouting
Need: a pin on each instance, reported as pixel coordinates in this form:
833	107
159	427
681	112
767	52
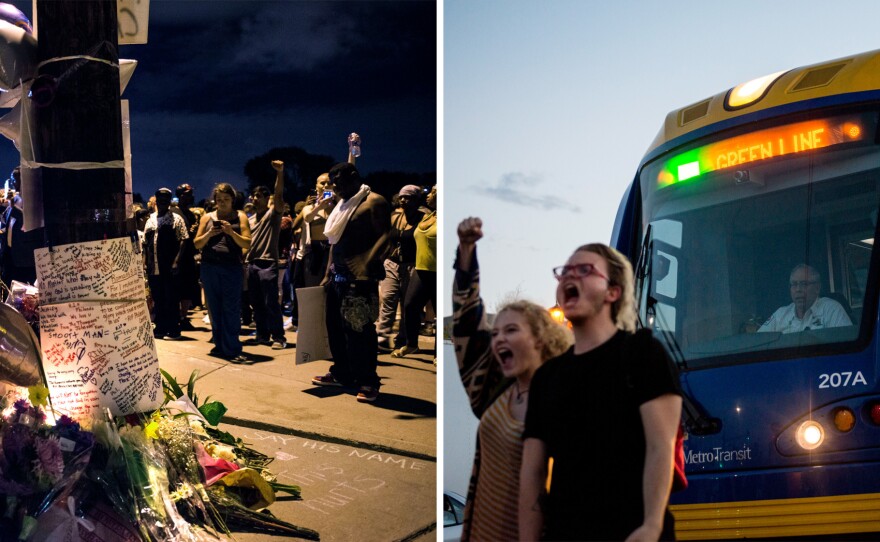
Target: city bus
751	225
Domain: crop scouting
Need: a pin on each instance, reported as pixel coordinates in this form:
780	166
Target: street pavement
367	471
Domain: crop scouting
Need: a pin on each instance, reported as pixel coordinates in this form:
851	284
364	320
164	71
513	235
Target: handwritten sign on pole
95	333
132	18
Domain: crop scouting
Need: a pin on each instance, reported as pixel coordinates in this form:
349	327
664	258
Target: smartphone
215	223
327	194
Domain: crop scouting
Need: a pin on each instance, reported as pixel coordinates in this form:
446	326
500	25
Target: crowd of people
16	245
244	260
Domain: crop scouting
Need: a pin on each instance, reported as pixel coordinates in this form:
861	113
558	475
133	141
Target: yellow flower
38	395
151	430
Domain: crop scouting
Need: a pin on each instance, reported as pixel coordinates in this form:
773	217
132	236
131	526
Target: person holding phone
316	250
222	236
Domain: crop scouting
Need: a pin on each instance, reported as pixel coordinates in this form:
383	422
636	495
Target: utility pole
78	150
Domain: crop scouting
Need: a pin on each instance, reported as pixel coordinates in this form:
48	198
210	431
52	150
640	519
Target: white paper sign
311	334
95	332
132	18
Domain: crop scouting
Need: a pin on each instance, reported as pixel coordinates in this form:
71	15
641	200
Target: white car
453	515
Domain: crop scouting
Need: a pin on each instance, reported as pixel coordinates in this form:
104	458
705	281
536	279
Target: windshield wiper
642	270
696	419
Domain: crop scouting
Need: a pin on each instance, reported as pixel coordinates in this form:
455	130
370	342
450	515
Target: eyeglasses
579	270
802	284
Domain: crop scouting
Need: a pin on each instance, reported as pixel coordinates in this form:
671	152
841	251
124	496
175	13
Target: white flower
198	428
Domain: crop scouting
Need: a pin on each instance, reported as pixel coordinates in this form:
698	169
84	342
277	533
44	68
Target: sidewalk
273	394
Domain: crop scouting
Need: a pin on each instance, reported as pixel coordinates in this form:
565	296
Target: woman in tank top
222	236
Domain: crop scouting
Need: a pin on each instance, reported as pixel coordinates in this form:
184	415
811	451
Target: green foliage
170	386
213	411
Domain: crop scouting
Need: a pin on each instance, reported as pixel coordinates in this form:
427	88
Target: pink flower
49	464
215	469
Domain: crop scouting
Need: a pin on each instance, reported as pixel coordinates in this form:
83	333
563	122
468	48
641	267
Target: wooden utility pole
77	122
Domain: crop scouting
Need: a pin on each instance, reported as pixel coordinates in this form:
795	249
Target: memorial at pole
95	442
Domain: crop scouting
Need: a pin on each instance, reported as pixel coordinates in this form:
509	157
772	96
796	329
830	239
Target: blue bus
751	225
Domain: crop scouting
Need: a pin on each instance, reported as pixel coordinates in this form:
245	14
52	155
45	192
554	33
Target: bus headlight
810	435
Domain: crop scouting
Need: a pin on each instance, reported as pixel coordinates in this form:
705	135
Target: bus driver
807	310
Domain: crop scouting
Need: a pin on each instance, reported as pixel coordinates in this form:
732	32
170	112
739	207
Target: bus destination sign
762	145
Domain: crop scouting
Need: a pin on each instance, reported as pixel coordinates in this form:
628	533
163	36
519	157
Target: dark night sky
223	81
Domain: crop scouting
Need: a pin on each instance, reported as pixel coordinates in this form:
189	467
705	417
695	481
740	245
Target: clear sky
550	105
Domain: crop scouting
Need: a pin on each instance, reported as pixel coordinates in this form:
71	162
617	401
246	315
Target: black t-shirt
585	409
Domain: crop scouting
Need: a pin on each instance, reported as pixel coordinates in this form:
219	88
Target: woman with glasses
496	366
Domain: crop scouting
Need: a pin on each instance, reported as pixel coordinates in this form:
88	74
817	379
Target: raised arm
470	230
279	184
471	335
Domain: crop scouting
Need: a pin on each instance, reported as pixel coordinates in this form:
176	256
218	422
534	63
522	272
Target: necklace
519	394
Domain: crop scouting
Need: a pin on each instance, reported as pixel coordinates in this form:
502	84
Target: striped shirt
489	396
497	493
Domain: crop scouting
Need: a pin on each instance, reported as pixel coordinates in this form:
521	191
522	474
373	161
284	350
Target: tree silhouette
301	168
388	183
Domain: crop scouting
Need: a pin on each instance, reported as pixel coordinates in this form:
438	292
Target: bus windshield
759	245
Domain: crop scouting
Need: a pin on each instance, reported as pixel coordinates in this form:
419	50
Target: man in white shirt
807	310
164	236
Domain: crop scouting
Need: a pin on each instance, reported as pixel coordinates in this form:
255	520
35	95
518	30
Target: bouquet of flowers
238	483
25	298
39	463
171	475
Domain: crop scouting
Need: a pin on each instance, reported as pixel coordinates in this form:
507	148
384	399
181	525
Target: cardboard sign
95	332
311	336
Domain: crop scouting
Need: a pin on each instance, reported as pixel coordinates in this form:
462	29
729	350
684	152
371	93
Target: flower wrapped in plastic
25	298
134	473
20	363
238	484
39	463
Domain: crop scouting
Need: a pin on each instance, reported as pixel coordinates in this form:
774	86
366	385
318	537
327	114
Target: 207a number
845	378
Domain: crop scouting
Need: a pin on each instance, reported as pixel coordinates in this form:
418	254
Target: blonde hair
555	338
620	273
